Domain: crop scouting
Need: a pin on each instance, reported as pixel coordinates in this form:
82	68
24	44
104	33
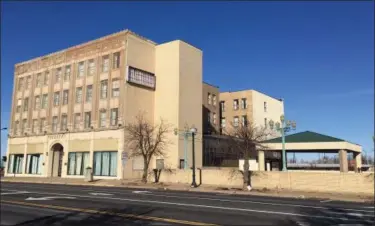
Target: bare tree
247	138
146	140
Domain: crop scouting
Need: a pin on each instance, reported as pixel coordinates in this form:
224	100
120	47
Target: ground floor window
77	162
15	164
105	163
34	164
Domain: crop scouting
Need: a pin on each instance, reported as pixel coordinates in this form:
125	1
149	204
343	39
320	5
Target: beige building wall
210	109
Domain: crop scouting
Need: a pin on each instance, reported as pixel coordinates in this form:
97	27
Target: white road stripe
328	200
14	193
204	206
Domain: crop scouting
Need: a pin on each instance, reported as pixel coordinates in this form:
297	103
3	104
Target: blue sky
318	56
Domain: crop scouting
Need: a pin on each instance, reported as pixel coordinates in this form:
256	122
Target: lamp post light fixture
284	126
193	131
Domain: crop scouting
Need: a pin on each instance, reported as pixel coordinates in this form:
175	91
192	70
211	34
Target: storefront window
105	163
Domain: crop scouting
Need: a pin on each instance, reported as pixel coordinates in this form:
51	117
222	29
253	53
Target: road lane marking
48	198
102	194
210	207
234	201
14	193
125	215
141	192
328	200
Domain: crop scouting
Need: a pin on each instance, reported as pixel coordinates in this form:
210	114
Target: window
103	89
77	121
19	104
67	73
56	99
28	82
42	124
265	123
91	67
209	98
214	99
37	103
39	80
243	103
26	104
88	93
87	120
15	164
223	122
34	164
77	162
58	75
214	116
16	127
23	126
102	118
54	123
140	77
209	116
20	84
235	104
116	60
65	97
35	126
235	121
105	63
81	69
114	116
64	122
265	106
78	95
105	163
46	78
45	101
115	88
244	120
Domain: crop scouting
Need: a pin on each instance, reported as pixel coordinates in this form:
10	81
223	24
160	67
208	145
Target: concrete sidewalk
202	188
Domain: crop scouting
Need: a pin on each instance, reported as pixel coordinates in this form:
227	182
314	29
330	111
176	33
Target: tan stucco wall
300	181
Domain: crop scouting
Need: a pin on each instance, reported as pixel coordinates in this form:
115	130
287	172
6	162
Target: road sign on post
124	155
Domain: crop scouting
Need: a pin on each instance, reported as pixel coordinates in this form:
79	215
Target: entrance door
57	157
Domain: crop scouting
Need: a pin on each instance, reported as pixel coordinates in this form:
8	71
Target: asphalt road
46	204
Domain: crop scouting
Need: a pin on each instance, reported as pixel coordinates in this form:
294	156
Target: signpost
124	157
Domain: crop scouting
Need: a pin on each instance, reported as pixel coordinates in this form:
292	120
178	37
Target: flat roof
244	90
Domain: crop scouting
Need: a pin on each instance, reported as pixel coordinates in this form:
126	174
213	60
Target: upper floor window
209	98
87	120
67	73
42	124
214	118
16	127
88	93
58	75
265	123
78	95
235	104
105	64
222	105
244	120
45	101
39	80
114	116
64	122
223	122
209	116
214	99
23	126
19	104
77	121
34	128
37	103
102	118
235	121
20	84
243	103
46	78
265	106
115	87
54	123
116	60
28	82
91	67
81	69
65	97
103	89
56	99
26	104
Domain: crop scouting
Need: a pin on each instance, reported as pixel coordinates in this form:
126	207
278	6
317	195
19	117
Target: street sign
124	155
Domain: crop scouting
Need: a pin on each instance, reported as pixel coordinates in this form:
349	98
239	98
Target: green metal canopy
305	137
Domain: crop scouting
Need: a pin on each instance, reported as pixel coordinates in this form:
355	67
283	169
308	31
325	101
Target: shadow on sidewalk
130	216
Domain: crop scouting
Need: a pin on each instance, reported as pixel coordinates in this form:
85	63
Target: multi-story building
249	106
210	110
69	107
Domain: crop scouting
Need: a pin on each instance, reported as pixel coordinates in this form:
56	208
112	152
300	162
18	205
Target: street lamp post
284	127
193	132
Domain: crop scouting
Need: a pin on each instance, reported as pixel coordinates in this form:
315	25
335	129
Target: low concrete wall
359	183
